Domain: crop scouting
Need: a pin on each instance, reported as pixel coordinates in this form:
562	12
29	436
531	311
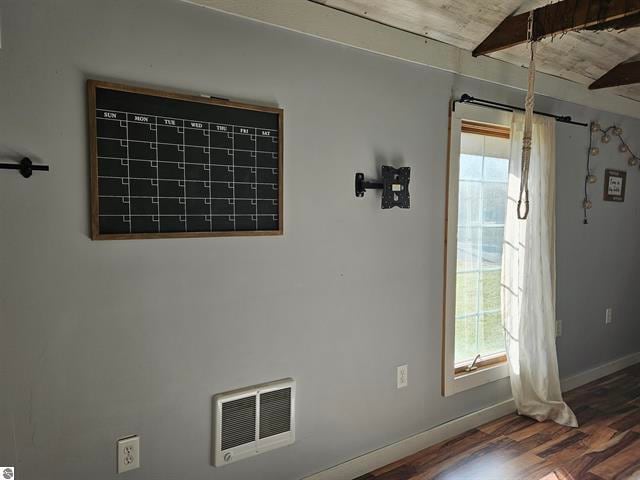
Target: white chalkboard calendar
171	165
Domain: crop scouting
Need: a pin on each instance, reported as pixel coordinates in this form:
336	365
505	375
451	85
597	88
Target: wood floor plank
586	415
565	442
617	418
401	472
556	474
534	470
530	431
587	462
441	452
501	447
553	433
574	443
490	427
525	464
405	461
623	464
606	446
597	437
627	422
588	476
448	451
511	425
487	462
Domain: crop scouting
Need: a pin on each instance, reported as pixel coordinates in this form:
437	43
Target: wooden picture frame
615	182
97	234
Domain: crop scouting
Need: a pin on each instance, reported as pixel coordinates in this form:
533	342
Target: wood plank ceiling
581	57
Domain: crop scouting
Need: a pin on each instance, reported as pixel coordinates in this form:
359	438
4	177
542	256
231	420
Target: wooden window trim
483	363
486	122
486	129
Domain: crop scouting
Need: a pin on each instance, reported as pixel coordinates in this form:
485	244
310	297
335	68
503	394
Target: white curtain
529	279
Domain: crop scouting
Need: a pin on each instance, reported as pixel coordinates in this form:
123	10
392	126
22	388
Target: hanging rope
528	121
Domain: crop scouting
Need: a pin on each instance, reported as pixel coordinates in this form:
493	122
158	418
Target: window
482	202
477	199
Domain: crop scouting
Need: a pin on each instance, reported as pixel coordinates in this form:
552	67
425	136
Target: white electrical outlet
608	317
402	376
128	453
558	327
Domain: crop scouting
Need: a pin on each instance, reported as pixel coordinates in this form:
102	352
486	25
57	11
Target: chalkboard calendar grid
177	175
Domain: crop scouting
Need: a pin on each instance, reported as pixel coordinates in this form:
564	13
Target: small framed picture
614	185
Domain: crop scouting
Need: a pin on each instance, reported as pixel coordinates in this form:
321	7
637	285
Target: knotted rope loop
528	121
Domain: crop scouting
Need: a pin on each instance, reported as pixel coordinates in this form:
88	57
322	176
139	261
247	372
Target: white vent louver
254	420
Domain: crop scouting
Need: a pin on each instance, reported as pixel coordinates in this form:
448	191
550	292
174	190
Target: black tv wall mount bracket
394	185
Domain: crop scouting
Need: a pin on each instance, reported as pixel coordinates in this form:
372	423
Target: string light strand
605	137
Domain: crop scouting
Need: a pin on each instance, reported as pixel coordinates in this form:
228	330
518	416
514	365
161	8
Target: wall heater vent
254	420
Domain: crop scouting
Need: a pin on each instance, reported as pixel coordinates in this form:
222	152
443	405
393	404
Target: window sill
456	383
480	363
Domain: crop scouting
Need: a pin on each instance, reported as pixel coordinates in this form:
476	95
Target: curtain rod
466	98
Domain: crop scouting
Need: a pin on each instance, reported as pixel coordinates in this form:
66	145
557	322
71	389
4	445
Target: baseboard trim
385	455
582	378
396	451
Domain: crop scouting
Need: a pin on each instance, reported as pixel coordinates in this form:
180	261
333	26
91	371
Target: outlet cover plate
403	376
128	454
608	317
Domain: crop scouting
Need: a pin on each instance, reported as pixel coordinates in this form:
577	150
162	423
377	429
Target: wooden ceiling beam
553	18
624	73
628	21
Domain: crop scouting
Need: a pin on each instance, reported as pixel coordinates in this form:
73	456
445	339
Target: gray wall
105	339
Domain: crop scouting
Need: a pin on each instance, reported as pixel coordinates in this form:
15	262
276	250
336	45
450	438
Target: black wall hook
394	185
26	167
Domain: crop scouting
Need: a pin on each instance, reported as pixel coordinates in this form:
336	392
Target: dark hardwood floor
606	446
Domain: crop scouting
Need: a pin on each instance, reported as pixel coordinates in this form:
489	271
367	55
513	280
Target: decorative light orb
592	178
595	126
605	138
623	148
587	204
617	131
633	161
594	151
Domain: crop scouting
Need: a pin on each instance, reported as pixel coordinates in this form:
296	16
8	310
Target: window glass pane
482	201
468	248
496	169
497	147
494	203
470	167
491	334
466	343
466	293
490	290
469	203
492	239
472	144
